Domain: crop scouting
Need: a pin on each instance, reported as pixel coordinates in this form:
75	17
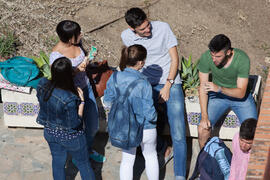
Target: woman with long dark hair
70	46
140	98
61	111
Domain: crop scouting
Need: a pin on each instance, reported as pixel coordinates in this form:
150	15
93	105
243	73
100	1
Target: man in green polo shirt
228	89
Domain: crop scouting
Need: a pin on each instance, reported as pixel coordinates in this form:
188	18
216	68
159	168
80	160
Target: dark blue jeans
77	148
174	108
90	115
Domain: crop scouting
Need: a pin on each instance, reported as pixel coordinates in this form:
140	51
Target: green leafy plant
190	76
43	64
8	43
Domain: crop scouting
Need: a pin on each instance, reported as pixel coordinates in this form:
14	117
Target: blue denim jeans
219	104
174	108
77	148
90	115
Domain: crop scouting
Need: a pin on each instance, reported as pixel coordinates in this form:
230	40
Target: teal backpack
21	71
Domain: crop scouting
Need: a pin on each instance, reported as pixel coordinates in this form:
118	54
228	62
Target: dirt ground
193	22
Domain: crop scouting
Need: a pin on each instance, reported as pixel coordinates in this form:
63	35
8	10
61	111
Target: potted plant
190	77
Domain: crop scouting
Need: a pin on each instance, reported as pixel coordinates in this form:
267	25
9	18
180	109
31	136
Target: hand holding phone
83	65
92	53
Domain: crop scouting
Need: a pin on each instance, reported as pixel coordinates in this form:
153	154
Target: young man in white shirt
161	69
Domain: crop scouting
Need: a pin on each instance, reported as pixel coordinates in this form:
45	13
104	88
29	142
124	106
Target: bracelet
82	102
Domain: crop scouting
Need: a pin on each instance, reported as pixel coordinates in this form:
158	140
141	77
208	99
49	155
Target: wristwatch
171	81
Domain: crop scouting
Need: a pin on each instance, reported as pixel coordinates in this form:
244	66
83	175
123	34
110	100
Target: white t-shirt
158	61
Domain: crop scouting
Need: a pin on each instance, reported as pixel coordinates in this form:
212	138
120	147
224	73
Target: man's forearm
233	92
239	91
174	63
203	103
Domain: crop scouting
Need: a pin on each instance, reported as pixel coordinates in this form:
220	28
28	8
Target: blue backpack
124	130
21	71
213	161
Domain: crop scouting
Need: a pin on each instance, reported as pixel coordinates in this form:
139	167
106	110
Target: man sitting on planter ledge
228	90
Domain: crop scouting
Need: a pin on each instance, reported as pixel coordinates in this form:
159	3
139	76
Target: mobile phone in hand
92	53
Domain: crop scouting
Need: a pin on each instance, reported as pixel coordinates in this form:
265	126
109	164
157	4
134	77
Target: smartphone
92	53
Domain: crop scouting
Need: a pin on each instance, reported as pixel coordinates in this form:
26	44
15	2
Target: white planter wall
228	129
20	109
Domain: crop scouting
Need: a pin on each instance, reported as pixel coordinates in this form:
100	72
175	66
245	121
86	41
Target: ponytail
131	55
124	58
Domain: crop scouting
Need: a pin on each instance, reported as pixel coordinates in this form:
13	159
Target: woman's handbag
98	74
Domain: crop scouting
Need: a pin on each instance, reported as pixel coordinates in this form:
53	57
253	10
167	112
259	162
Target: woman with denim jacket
61	111
70	46
132	60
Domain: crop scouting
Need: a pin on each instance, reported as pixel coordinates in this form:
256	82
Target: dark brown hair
135	17
247	129
68	29
131	55
220	42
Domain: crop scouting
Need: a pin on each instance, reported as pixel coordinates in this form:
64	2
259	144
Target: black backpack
124	130
213	161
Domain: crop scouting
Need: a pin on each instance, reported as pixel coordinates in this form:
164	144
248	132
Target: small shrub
190	76
8	43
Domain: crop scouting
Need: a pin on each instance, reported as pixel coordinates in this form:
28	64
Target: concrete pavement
25	155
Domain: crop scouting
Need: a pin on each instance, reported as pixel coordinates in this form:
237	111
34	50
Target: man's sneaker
97	157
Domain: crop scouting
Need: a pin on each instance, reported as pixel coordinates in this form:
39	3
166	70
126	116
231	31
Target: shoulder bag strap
196	169
131	86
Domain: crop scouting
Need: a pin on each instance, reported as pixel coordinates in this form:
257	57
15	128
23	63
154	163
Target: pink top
239	162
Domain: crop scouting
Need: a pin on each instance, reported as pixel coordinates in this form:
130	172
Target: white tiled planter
20	109
228	129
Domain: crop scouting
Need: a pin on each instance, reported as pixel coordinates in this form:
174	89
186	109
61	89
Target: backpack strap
196	169
131	86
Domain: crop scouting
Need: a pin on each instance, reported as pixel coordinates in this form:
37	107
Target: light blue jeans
90	115
219	104
77	148
175	112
